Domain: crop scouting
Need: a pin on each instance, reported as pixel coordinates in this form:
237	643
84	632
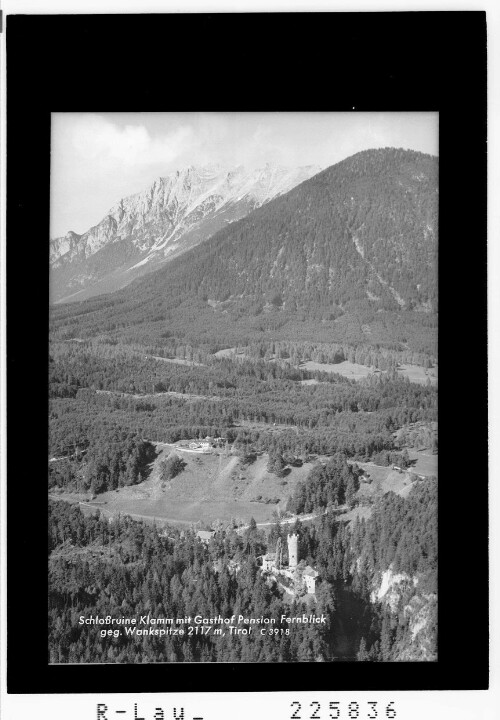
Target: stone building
310	577
268	561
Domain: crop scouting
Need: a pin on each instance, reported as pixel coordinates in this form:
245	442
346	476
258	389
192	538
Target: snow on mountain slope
145	230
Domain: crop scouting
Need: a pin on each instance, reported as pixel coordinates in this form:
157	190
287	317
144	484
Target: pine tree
362	654
276	464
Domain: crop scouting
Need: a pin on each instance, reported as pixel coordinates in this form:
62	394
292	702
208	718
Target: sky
98	158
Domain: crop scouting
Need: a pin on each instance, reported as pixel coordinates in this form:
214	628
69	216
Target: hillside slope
143	231
354	241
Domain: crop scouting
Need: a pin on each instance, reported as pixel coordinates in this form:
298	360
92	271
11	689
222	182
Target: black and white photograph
243	387
245	331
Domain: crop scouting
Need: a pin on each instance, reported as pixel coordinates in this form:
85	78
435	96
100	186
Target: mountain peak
174	213
344	256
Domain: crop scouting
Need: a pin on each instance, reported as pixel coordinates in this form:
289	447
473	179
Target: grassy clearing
227	352
427	464
383	479
233	353
354	371
210	487
177	361
189	397
419	374
346	368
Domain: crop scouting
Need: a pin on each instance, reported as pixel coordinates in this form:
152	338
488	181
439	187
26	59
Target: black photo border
408	61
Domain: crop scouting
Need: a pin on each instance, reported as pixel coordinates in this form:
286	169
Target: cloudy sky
99	158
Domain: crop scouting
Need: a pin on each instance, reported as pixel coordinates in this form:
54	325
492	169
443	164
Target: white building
205	535
310	577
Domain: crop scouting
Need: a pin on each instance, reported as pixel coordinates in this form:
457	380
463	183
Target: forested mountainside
350	255
143	231
124	568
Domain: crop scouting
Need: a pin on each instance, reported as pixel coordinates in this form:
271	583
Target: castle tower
293	550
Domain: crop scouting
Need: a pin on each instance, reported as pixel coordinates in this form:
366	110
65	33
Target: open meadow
355	371
210	487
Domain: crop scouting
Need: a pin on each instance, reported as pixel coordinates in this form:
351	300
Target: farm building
205	535
204	446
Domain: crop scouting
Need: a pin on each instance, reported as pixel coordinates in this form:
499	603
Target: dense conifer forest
125	568
104	397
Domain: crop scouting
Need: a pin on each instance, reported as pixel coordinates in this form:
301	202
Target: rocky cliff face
417	613
64	245
174	214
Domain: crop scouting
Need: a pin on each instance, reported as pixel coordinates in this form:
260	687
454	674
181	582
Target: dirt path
163	393
286	521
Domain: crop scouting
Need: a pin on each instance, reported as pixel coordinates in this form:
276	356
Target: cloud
96	139
95	161
97	158
264	147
